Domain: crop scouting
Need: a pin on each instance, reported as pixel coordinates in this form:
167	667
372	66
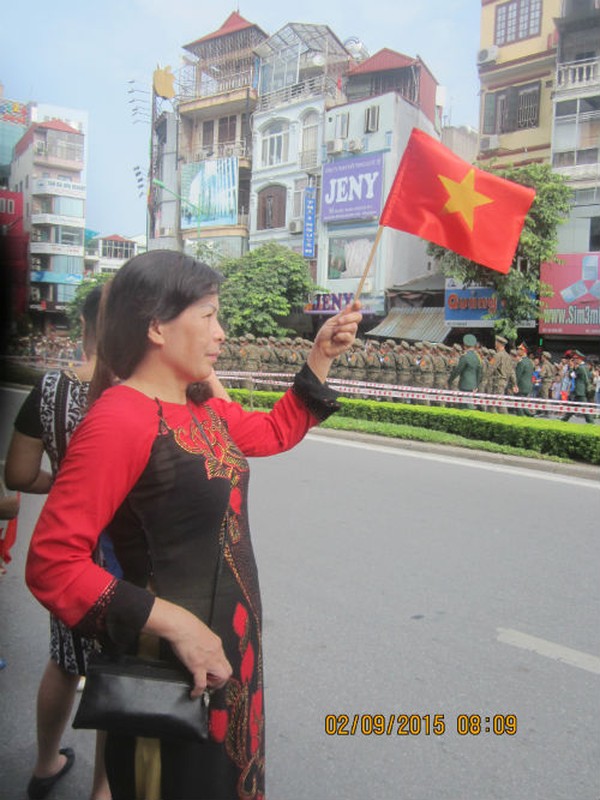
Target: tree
76	304
520	292
261	288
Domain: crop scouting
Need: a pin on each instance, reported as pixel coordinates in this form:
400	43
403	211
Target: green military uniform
468	370
582	382
524	377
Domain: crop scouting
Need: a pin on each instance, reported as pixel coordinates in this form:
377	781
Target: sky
83	55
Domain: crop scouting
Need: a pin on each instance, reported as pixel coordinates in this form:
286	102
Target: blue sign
45	276
310	209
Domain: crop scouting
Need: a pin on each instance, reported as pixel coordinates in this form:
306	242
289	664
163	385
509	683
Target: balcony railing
578	75
312	87
240	148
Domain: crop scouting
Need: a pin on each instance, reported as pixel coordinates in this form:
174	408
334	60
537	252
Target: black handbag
140	697
136	696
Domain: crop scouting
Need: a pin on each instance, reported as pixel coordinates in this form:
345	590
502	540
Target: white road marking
461	462
575	658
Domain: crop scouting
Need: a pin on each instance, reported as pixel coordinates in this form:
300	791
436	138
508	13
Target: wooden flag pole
368	265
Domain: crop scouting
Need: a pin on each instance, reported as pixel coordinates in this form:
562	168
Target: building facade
47	169
216	97
517	64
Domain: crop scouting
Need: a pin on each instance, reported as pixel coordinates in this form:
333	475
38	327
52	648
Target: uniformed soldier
468	370
373	366
426	370
547	375
388	362
249	358
524	377
502	379
356	365
440	370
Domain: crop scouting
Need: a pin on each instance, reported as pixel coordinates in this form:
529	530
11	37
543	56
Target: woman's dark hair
90	308
154	286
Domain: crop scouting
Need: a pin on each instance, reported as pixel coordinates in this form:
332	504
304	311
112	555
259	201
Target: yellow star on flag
463	198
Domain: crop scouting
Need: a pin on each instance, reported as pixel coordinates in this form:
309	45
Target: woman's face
192	341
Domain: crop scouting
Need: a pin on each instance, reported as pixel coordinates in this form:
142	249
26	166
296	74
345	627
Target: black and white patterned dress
51	412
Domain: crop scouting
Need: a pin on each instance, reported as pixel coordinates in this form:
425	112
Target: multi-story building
269	130
301	71
216	98
516	65
14	121
47	168
576	139
388	94
107	254
573	310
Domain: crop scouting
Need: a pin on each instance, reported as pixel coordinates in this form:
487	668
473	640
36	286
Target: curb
588	472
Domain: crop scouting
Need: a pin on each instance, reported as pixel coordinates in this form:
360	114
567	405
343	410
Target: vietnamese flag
439	197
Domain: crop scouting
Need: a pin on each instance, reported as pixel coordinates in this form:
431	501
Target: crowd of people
521	372
426	364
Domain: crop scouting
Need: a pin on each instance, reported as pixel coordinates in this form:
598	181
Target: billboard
209	191
574	308
352	189
348	256
473	306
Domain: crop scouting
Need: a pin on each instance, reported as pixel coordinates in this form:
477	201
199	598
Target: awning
413	325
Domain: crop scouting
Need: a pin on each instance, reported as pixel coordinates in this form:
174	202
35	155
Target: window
208	135
2	205
298	199
576	138
227	126
10	207
70	236
271	208
112	248
595	234
68	206
275	144
512	109
341	125
372	119
310	140
518	19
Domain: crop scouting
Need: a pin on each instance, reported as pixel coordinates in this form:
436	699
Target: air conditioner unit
296	226
488	55
334	146
355	145
489	142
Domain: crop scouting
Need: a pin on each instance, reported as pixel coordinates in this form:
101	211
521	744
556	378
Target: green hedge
550	437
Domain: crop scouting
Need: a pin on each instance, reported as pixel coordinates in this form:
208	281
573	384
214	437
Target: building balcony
53	186
580	173
57	219
239	149
316	86
53	249
578	77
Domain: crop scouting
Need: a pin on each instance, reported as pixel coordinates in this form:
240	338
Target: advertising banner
473	306
348	256
210	193
310	206
574	308
352	189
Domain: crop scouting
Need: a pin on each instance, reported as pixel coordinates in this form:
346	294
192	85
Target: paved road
395	582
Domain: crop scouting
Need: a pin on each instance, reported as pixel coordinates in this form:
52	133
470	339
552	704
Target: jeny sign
352	188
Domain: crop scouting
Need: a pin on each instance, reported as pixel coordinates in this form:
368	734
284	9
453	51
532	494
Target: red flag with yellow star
439	197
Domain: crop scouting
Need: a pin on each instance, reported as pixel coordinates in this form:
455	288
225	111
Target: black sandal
38	788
